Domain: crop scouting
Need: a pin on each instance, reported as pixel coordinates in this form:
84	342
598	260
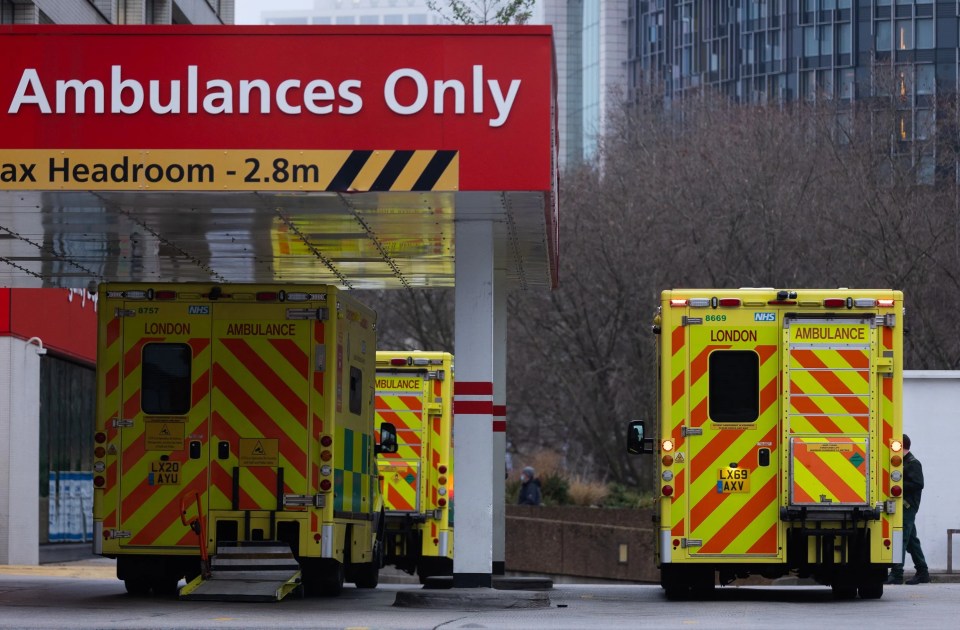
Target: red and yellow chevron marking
261	384
151	513
829	390
402	405
732	524
829	469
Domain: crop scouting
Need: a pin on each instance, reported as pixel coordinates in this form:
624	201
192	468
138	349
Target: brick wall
581	542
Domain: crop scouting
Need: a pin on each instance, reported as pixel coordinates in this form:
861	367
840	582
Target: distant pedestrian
912	489
529	487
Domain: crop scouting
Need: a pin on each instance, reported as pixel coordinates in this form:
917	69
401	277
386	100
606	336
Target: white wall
931	417
19	452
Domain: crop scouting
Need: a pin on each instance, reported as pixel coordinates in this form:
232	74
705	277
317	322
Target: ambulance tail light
896	446
325	485
667	490
678	303
667	445
442	469
896	460
100	437
400	362
885	303
729	301
266	296
99	481
441	502
834	303
326	441
896	491
165	295
442	481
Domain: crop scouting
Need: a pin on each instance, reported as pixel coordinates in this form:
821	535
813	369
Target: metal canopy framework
356	240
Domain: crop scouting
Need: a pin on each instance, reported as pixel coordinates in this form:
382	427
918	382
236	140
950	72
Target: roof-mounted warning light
165	295
401	361
885	303
785	298
864	302
729	301
835	303
266	296
678	303
699	302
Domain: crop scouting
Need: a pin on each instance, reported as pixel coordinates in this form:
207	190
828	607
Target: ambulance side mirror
637	443
388	439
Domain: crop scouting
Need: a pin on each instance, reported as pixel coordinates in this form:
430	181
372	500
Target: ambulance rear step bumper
263	571
833	513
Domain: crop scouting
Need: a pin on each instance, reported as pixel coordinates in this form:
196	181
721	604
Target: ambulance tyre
137	587
871	590
331	579
844	591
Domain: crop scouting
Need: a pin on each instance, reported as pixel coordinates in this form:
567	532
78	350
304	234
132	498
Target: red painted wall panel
65	320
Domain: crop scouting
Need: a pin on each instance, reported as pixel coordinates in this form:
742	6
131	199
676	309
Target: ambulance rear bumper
829	513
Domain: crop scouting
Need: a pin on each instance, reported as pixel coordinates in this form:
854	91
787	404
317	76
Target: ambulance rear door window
734	386
165	387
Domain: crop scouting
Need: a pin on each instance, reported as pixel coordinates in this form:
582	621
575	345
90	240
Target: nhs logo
198	310
764	317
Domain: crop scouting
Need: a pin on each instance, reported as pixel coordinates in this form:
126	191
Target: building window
883	35
904	34
925	34
926	79
844	39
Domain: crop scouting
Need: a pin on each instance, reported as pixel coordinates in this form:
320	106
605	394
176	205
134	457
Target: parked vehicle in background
415	394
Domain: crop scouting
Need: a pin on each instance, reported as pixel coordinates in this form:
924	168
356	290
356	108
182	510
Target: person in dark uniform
529	487
912	489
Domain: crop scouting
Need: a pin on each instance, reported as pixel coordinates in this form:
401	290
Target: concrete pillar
473	404
19	452
499	418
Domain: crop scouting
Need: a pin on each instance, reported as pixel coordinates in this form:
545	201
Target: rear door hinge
124	312
121	423
685	431
691	542
689	321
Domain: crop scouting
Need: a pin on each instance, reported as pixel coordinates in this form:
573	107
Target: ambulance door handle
763	457
194	449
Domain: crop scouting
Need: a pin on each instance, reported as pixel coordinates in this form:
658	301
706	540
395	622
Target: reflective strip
666	546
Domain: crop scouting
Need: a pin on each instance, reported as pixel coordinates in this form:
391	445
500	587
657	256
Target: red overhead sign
90	103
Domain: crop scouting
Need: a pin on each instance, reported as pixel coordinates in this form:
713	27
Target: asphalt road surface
84	597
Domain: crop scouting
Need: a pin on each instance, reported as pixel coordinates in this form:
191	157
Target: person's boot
922	577
894	579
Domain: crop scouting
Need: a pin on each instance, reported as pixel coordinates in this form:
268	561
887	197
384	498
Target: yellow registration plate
164	473
730	480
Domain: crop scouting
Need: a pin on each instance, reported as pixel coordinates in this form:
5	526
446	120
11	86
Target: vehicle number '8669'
716	318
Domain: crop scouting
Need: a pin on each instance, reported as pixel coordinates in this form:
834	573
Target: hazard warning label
259	452
164	435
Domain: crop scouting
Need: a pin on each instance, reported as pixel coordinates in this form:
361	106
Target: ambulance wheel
844	591
331	578
871	590
368	574
165	587
137	587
